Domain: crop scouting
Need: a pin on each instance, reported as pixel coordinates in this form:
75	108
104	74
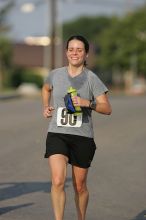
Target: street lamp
27	7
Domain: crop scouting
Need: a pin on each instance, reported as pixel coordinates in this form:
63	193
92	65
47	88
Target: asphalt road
117	178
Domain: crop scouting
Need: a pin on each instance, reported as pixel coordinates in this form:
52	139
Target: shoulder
58	70
96	84
91	75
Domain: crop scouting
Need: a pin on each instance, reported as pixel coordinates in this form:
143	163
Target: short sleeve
97	86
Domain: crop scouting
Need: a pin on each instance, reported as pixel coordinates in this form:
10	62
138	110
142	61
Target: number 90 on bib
68	120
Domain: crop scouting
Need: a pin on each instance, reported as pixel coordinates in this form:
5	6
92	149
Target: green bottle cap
71	89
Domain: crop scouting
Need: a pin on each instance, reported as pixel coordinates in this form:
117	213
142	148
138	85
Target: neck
74	71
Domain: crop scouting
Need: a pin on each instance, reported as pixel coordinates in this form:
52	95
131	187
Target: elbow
46	88
109	111
105	112
104	109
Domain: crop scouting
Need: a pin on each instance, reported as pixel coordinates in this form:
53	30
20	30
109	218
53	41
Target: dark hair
80	38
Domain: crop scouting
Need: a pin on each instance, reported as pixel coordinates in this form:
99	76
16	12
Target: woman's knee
58	165
58	182
80	187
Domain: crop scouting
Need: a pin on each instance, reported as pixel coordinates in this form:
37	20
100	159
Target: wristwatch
92	104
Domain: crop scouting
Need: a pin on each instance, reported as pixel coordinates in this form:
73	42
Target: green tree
89	27
5	60
123	44
119	42
5	45
21	75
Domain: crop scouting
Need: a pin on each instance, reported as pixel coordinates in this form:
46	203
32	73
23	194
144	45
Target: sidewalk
24	90
9	95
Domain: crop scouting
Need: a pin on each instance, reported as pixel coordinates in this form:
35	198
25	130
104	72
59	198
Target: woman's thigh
58	167
79	176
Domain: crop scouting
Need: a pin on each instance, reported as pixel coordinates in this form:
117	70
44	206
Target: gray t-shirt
88	86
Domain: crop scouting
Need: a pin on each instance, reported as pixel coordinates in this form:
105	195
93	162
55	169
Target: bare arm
46	96
102	105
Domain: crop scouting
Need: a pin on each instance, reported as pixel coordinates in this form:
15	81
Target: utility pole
53	33
129	4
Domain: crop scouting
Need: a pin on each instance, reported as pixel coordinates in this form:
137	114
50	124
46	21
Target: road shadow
4	210
141	216
11	190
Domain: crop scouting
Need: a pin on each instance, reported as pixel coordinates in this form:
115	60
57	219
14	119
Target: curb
9	96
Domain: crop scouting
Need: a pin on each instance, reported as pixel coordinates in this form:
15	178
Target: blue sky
76	8
37	23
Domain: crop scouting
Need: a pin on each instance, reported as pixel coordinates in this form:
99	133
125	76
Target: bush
20	75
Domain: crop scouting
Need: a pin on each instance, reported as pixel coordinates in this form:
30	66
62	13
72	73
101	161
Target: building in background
34	23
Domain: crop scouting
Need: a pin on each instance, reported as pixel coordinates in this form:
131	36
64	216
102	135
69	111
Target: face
76	53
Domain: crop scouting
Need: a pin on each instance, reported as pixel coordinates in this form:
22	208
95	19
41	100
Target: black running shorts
79	150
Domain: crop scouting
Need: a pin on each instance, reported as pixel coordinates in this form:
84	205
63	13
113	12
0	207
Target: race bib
68	120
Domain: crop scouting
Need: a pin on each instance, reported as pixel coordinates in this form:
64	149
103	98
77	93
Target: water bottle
73	93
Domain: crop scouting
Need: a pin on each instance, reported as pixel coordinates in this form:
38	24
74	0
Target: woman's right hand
48	111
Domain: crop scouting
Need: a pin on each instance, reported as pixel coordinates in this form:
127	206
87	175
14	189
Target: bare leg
58	164
81	191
